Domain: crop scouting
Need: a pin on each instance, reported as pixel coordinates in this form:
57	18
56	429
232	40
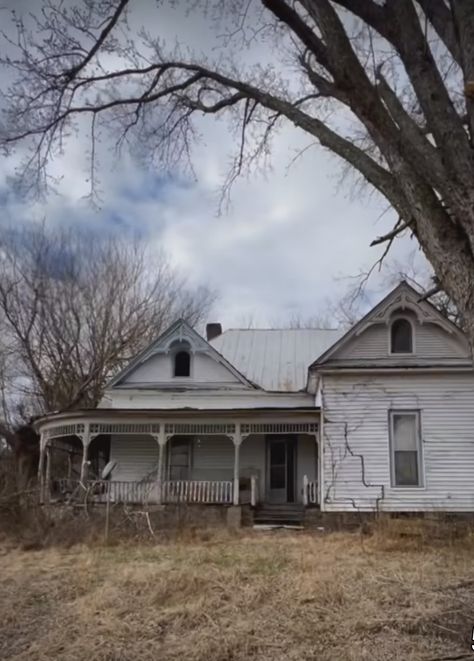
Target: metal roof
276	360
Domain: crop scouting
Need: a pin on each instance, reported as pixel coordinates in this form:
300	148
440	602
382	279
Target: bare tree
75	309
386	86
356	300
324	320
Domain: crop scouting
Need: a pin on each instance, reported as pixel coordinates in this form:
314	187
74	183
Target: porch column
162	440
237	440
86	439
48	474
42	454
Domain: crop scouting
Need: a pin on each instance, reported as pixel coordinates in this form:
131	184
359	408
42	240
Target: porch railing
310	491
198	491
125	492
176	491
179	491
117	491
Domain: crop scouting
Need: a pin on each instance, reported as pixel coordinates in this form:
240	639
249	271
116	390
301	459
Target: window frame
189	441
416	413
412	326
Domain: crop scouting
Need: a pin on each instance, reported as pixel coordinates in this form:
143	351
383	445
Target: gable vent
212	331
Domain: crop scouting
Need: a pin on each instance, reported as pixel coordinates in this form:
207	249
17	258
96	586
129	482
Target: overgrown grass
277	595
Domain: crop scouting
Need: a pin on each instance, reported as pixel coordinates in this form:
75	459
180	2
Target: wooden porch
276	434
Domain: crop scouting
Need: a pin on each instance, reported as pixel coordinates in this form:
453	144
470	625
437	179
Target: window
401	336
405	447
182	363
179	458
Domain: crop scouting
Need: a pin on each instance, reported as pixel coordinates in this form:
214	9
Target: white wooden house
380	418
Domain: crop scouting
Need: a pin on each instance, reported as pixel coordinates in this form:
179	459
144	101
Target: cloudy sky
285	245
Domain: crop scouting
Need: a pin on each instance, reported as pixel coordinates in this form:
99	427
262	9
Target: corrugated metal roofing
276	360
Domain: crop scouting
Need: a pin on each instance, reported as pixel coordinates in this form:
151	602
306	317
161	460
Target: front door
280	469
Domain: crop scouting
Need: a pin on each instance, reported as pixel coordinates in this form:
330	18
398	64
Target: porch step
279	514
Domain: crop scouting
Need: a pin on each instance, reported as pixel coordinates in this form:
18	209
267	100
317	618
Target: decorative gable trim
180	331
403	297
405	300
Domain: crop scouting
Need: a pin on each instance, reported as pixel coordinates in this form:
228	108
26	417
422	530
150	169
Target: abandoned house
379	418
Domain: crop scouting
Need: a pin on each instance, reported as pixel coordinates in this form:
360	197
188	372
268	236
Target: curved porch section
187	456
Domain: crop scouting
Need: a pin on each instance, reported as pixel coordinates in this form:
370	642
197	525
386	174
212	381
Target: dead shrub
32	526
411	533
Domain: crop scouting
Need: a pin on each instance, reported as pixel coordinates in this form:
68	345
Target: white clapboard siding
136	457
212	459
131	398
306	463
431	342
252	457
159	369
356	421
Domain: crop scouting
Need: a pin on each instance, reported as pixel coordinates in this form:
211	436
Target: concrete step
279	514
293	507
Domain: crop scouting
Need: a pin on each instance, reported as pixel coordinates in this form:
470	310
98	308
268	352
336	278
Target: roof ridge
279	329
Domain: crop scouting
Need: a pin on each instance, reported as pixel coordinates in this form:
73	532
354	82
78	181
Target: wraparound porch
192	457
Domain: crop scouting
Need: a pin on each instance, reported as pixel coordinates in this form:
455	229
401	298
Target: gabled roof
401	297
180	330
275	359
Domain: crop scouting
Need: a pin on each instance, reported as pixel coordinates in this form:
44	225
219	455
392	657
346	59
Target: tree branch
398	229
441	19
72	73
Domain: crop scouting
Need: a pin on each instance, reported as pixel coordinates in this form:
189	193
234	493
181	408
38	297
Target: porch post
305	490
48	474
162	439
86	439
237	439
41	467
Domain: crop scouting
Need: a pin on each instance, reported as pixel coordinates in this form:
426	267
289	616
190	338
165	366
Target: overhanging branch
398	229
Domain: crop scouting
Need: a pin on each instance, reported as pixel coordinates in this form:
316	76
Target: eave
174	414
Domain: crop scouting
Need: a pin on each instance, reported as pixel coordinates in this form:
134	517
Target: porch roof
150	415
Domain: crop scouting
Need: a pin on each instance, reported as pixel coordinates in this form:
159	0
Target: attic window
182	363
401	336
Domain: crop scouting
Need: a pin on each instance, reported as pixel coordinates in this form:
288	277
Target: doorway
281	469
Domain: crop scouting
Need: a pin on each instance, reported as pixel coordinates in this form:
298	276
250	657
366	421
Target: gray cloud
280	249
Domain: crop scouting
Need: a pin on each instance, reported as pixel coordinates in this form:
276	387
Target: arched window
401	336
182	364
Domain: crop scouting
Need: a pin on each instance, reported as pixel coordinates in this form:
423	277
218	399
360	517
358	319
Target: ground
256	595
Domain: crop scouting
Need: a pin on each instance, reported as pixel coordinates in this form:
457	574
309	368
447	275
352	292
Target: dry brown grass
279	595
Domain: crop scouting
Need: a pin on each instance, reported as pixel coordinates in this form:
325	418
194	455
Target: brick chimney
212	331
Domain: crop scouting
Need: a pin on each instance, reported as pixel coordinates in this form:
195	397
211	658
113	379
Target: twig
450	658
